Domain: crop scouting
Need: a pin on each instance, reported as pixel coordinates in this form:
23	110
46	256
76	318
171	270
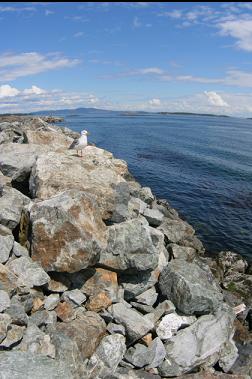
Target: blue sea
201	164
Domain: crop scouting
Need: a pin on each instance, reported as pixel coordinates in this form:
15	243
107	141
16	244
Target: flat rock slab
190	288
68	233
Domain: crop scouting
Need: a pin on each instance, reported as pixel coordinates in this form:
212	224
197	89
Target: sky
186	57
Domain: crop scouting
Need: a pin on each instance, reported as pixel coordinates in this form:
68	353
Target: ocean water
202	165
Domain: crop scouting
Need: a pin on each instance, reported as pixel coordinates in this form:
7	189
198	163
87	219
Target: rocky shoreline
99	279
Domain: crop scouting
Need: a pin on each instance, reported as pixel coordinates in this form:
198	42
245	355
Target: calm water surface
201	165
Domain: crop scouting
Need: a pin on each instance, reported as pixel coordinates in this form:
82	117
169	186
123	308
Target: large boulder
87	330
11	132
68	233
12	202
20	365
55	140
132	244
196	344
190	288
16	160
176	230
97	173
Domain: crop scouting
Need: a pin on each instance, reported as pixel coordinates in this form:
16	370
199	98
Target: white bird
80	143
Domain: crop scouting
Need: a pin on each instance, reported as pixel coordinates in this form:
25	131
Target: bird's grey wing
74	144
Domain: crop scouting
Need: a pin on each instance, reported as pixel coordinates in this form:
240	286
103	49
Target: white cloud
136	23
239	29
7	91
48	12
155	102
78	34
13	66
12	9
34	90
215	99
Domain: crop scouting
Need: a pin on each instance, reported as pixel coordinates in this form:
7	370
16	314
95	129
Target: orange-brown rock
87	330
68	233
98	302
65	312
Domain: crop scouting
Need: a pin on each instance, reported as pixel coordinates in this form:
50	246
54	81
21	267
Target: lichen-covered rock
153	216
52	138
87	330
68	233
190	288
195	344
107	357
35	341
5	321
19	365
132	244
4	300
12	202
14	335
170	324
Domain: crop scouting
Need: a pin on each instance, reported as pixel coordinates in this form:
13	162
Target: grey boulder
12	202
190	288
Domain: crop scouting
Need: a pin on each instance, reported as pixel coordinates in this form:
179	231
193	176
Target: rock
17	312
166	307
66	350
122	196
57	286
181	252
67	232
189	288
136	326
4	300
128	373
7	280
19	365
228	355
16	160
146	195
14	335
97	173
228	260
243	365
54	140
107	357
239	284
136	206
5	321
6	243
28	273
19	250
148	297
171	323
4	181
87	330
43	318
35	341
12	203
11	132
136	283
153	216
195	344
113	328
176	230
65	312
149	357
102	289
76	297
51	301
132	245
142	307
209	375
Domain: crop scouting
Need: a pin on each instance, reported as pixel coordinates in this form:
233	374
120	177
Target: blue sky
192	57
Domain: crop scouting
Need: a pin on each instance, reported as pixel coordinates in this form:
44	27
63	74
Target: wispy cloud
14	9
13	66
78	34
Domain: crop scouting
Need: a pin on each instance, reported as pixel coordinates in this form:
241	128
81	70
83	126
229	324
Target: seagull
79	143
